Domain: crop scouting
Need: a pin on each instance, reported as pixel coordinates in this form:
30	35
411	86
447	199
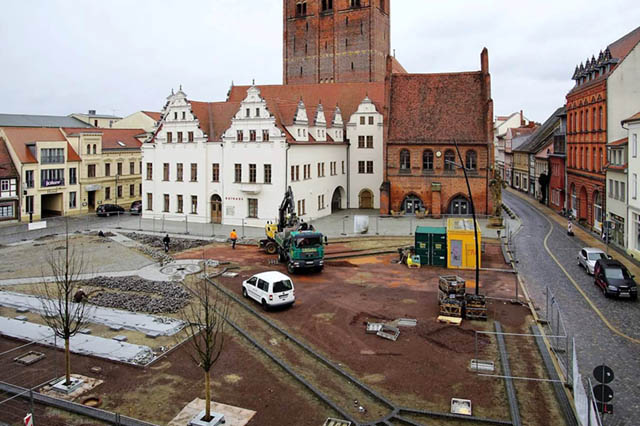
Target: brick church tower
327	41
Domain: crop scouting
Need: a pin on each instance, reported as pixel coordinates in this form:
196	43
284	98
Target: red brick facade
557	195
335	41
426	113
586	149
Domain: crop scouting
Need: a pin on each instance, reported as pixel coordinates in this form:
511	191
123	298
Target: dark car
109	209
614	279
136	207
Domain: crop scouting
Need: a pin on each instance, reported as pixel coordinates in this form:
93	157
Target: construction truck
295	241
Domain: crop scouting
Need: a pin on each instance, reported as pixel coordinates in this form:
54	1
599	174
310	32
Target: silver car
588	256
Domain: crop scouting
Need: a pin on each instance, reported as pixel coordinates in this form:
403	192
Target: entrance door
216	209
412	204
91	200
460	206
366	199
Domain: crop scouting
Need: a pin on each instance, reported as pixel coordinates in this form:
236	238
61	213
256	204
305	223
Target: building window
91	171
184	115
194	172
472	160
190	136
334	168
166	203
51	177
306	171
179	204
107	169
119	191
253	207
616	193
107	193
29	178
252	135
179	172
370	142
179	137
52	155
240	135
371	120
363	120
343	170
88	149
132	168
252	173
634	145
194	204
247	112
73	176
623	192
95	150
327	5
610	188
165	172
405	161
169	137
149	171
72	200
301	207
238	173
267	173
215	172
29	206
265	135
427	160
132	190
361	141
449	160
369	167
361	167
149	201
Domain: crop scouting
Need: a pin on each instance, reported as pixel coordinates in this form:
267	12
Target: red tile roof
623	46
215	117
619	142
156	116
19	137
634	117
438	108
7	169
112	137
396	67
72	155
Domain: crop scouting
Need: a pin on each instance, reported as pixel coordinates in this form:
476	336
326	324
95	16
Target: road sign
604	408
28	420
603	393
603	374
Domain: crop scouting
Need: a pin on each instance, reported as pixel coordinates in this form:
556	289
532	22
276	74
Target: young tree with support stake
206	319
60	311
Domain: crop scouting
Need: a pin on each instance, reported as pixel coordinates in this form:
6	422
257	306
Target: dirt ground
423	369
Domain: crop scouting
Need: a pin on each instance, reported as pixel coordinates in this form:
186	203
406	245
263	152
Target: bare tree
205	319
60	310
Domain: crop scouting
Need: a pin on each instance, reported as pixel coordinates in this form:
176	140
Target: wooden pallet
476	313
449	320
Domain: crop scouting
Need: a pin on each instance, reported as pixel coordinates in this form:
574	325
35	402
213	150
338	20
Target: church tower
339	41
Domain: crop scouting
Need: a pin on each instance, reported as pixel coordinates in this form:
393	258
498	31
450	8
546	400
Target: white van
269	289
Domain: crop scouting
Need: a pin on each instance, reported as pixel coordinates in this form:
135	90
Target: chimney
92	112
522	123
484	61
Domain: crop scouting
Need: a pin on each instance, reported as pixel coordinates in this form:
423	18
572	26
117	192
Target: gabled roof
539	138
215	117
112	139
19	137
7	168
438	107
282	100
519	141
396	67
156	116
619	142
27	120
635	117
623	46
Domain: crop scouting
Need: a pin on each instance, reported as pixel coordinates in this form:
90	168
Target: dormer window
257	112
248	113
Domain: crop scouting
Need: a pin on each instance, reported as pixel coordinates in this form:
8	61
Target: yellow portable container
461	244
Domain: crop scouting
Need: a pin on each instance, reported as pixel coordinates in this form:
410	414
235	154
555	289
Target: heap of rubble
160	297
176	245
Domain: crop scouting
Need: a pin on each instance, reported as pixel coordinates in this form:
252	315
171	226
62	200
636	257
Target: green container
431	245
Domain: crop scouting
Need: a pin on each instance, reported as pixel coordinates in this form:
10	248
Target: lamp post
116	188
473	212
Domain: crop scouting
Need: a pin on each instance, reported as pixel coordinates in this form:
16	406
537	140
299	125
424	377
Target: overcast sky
121	56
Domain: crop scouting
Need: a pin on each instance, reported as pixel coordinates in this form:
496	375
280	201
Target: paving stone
120	338
22	318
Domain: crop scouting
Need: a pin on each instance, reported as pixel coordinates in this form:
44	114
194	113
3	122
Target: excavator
295	241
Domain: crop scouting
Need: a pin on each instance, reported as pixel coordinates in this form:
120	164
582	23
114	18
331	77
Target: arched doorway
412	203
337	199
460	206
365	199
583	211
216	209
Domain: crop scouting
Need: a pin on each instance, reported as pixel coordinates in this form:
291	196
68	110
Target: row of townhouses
583	159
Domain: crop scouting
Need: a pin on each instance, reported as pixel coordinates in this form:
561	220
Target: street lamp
473	211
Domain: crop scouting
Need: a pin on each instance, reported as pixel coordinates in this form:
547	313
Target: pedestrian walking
166	240
233	237
569	228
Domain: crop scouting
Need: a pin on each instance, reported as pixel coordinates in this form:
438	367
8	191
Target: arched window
449	160
427	160
586	118
593	119
405	161
584	159
601	164
94	149
471	162
580	159
580	122
593	158
600	121
88	149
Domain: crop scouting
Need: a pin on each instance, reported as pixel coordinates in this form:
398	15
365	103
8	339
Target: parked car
614	279
588	256
136	207
269	289
109	209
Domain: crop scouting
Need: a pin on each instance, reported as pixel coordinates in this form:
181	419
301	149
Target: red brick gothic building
335	41
426	113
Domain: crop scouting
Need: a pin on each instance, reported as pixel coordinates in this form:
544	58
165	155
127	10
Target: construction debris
484	366
336	422
374	327
461	406
176	245
405	322
389	332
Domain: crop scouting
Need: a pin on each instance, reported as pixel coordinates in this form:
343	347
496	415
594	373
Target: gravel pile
176	245
161	297
157	255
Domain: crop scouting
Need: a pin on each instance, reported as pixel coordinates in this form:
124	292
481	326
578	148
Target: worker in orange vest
233	237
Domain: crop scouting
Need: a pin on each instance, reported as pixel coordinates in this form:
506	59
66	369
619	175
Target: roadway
605	330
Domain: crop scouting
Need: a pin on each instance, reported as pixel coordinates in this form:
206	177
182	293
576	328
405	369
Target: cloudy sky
120	56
